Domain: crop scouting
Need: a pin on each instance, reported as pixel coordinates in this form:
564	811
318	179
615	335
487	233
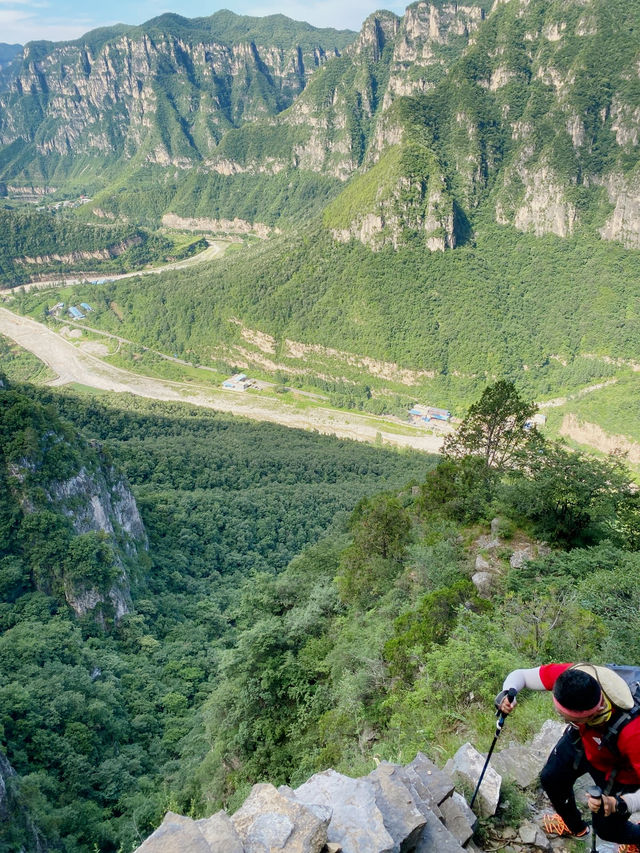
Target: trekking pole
511	695
596	793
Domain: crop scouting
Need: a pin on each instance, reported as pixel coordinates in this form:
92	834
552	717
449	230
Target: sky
58	20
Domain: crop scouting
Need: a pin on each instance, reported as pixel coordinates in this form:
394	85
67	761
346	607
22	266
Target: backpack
631	674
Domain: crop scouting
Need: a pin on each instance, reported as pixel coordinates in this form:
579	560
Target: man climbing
602	739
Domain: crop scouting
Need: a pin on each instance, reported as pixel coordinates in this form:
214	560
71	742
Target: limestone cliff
15	820
529	109
167	90
79	529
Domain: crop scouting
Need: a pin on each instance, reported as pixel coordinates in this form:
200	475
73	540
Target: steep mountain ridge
66	511
164	92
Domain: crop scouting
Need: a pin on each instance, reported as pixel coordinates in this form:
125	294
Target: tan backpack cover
613	685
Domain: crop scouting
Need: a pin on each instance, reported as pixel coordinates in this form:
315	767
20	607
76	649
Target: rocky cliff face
529	108
14	815
393	808
80	529
171	93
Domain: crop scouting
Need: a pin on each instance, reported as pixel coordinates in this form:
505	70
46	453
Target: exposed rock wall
95	100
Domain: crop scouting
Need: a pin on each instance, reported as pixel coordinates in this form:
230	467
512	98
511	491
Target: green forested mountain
457	192
39	243
163	93
526	112
115	613
190	604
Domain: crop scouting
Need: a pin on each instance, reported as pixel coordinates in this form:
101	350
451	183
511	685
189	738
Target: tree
495	427
381	530
576	500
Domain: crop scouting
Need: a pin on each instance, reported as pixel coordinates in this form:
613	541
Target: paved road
73	365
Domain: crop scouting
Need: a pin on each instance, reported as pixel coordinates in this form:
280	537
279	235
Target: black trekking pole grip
595	792
511	695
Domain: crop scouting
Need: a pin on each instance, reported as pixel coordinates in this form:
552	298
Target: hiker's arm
516	680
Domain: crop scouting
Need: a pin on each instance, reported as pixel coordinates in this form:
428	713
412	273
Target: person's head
578	698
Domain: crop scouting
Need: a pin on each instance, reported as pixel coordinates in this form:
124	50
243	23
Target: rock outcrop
394	809
72	493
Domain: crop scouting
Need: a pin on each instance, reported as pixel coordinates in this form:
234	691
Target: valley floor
73	365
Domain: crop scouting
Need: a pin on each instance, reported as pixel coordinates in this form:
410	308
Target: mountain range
453	193
527	111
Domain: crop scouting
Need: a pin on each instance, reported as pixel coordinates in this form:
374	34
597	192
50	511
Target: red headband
578	715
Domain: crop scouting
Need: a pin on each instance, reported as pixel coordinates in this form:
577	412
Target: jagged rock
484	583
269	821
467	765
518	763
220	833
547	738
522	763
356	823
402	817
482	565
436	838
425	798
458	817
176	834
532	835
437	781
323	813
521	556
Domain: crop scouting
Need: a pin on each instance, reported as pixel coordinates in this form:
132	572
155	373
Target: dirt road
212	251
74	365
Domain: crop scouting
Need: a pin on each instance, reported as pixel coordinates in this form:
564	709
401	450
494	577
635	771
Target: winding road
213	250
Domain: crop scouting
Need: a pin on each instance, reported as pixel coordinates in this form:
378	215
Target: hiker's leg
565	764
614	828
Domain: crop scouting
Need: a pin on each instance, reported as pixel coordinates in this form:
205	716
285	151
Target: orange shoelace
553	824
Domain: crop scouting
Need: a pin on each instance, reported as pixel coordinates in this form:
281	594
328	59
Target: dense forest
101	724
303	603
192	603
509	306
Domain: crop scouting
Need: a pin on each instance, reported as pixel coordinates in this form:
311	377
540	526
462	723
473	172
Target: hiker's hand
503	703
608	804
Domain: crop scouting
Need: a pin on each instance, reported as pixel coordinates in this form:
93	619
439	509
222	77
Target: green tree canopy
495	427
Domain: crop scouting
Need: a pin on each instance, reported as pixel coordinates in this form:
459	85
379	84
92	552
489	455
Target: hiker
602	739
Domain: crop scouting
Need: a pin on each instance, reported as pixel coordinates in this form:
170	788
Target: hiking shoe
553	824
628	848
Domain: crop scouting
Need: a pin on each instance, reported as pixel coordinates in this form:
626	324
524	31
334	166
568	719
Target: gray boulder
466	766
436	838
438	782
402	817
220	834
357	824
176	834
523	763
458	817
269	821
